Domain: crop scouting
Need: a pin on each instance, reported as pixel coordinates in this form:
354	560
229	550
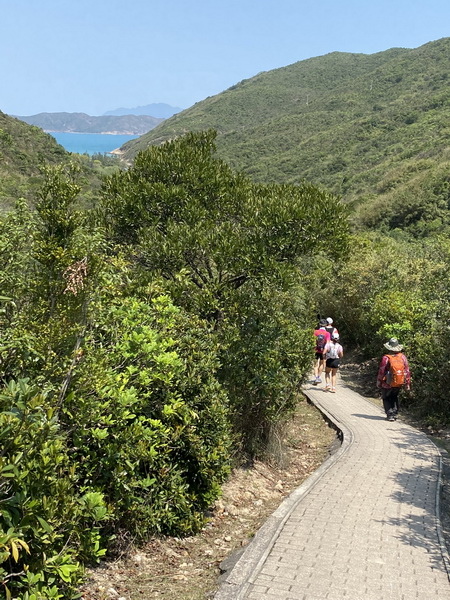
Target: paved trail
363	527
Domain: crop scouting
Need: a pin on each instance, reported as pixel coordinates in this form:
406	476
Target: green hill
24	149
371	128
83	123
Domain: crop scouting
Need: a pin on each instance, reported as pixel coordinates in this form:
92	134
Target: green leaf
45	525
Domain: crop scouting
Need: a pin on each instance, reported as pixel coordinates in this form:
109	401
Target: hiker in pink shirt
322	338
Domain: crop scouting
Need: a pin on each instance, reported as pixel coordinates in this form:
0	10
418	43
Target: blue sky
97	55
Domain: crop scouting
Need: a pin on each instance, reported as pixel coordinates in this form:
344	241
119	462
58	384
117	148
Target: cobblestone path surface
363	527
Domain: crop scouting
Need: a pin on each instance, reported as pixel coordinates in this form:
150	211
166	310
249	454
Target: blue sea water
91	143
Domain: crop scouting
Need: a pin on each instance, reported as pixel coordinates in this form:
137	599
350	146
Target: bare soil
189	568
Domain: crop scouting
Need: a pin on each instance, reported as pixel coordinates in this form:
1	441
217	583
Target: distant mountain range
160	110
81	123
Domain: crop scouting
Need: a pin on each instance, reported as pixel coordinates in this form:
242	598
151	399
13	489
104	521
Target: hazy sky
98	55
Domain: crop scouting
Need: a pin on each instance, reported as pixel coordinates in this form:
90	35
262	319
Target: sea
91	143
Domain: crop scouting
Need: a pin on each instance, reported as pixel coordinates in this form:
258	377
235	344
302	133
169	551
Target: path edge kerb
251	561
439	528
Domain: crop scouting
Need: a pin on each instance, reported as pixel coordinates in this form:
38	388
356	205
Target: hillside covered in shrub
23	150
373	129
146	345
151	342
26	151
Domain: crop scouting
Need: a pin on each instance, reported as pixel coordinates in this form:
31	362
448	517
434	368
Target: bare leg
327	377
316	367
333	378
321	366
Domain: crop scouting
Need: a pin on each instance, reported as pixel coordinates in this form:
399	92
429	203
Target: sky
93	56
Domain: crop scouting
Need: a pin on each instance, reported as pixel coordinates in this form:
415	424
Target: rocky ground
190	568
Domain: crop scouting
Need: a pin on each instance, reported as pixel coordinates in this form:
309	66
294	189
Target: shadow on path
371	417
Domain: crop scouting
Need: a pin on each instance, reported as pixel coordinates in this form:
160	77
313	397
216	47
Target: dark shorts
332	363
319	355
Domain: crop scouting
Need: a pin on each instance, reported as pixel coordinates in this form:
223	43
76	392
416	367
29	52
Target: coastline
92	143
97	132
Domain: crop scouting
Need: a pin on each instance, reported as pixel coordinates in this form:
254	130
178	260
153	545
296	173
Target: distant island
64	122
159	109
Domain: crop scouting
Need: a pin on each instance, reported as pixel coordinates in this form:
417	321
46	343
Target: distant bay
91	143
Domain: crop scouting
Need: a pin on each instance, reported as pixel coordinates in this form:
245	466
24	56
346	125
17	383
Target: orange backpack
396	376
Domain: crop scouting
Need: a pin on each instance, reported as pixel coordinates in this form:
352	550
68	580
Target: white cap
329	320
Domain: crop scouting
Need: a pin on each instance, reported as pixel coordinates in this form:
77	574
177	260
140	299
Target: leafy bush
151	429
266	359
41	549
230	251
399	288
125	426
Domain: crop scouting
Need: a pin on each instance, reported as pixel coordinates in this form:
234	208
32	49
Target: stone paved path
363	527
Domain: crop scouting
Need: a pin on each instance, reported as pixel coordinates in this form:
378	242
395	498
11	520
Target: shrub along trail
188	569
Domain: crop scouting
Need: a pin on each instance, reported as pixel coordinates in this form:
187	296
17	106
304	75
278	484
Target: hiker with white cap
330	327
393	375
333	354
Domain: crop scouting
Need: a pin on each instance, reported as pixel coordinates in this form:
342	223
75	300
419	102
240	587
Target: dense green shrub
230	251
130	422
398	288
49	261
266	359
16	247
49	526
147	420
141	444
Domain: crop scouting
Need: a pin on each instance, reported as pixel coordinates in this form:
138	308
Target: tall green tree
222	244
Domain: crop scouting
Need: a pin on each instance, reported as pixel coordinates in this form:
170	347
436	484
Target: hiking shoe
390	418
318	380
333	389
327	388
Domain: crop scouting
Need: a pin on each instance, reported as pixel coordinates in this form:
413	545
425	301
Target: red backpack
396	377
321	342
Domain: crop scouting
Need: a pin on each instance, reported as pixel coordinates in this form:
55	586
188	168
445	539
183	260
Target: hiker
322	337
330	327
393	375
333	353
